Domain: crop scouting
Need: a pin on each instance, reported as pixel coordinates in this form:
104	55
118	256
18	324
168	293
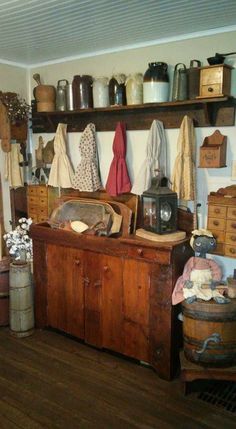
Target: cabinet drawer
42	191
149	255
230	250
37	190
231	213
143	253
219	235
220	249
42	218
231	225
217	211
32	200
32	190
211	90
216	224
211	76
37	201
230	238
42	202
32	210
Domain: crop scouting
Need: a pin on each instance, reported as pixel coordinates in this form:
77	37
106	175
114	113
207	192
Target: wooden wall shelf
205	112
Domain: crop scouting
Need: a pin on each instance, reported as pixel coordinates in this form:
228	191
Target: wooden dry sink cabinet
113	293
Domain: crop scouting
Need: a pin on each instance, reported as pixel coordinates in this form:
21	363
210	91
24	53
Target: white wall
13	79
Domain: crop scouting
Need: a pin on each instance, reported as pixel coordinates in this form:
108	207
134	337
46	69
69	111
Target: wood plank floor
51	381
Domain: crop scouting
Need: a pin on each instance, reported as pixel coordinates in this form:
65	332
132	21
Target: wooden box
215	81
213	151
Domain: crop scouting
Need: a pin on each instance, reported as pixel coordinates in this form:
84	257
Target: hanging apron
118	181
86	176
155	161
61	172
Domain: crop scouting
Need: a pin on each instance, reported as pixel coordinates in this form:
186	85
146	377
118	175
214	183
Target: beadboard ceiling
39	31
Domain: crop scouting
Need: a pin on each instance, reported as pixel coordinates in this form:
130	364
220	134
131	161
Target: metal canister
180	89
69	97
61	95
193	79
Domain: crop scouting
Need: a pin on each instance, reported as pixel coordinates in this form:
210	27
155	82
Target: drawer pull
216	222
140	252
233	225
232	250
210	89
105	268
234	212
77	262
233	238
217	211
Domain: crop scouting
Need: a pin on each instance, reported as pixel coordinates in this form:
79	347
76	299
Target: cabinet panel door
65	295
93	298
112	303
136	285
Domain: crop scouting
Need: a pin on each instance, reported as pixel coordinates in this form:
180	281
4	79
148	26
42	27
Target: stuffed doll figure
201	276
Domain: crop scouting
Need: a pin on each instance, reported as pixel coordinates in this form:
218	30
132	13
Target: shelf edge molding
215	112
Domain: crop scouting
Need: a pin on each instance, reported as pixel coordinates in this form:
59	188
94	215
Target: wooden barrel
21	299
210	333
4	291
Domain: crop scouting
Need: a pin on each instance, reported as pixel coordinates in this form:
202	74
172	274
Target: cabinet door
136	285
112	303
93	298
65	294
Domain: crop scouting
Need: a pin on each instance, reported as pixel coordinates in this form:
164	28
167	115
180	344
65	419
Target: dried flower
17	108
18	240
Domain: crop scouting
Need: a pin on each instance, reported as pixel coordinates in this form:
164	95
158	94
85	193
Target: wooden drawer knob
140	252
232	250
217	211
233	237
105	268
234	212
77	262
210	89
216	222
233	225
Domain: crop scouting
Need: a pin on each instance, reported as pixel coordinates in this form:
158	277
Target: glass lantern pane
149	212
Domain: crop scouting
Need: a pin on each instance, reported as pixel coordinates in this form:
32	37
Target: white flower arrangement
18	241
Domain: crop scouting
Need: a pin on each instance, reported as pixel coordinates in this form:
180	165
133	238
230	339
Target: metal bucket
210	333
21	299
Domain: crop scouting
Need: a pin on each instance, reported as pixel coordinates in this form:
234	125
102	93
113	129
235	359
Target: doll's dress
200	271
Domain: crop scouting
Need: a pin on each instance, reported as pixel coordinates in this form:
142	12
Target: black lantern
159	207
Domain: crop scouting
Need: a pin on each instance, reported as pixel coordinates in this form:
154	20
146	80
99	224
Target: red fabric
118	181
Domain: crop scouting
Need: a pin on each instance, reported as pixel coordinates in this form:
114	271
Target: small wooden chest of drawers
40	200
222	223
215	81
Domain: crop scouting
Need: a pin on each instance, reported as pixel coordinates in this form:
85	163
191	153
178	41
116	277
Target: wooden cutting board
161	238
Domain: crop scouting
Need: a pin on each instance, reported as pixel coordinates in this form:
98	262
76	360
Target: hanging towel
155	161
87	177
183	177
61	172
13	171
118	181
